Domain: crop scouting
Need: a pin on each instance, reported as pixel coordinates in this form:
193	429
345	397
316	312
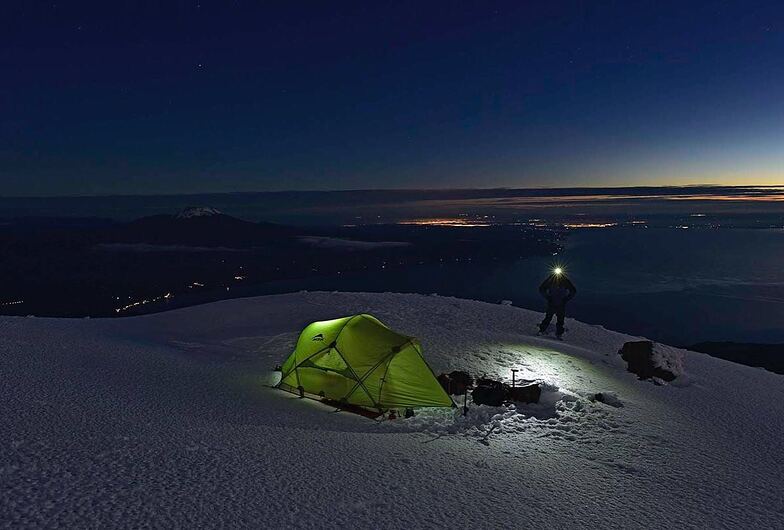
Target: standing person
557	289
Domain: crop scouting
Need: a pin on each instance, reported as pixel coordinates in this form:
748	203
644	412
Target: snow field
169	420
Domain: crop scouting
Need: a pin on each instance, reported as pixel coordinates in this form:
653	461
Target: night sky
213	96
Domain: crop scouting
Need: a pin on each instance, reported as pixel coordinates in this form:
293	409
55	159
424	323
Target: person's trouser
560	313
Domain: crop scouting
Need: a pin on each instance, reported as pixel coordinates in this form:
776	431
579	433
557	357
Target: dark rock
525	394
639	360
443	380
460	382
456	382
491	393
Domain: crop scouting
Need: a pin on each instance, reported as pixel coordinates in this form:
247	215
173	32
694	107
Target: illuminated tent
359	361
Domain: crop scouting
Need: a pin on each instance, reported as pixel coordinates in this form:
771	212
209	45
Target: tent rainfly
359	361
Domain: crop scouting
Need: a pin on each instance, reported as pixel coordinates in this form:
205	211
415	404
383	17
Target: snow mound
609	398
170	420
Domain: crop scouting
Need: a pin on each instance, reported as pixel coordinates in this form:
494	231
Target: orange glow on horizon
589	225
445	221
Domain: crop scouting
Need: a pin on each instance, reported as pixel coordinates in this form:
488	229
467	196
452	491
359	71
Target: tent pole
284	376
367	374
356	378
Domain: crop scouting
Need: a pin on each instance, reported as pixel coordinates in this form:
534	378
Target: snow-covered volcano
167	420
197	211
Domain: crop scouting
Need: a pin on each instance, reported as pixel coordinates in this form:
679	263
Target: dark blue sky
132	97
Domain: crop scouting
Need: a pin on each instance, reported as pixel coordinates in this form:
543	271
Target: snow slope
165	420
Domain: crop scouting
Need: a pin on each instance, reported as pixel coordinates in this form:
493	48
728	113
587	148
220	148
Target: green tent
359	361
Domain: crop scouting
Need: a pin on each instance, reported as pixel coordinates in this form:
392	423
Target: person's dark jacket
557	290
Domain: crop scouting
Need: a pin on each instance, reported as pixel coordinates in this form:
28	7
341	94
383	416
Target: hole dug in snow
555	410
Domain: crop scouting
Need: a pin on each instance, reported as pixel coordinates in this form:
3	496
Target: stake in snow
171	420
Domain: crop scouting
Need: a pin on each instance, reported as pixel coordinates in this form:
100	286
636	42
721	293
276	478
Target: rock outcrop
640	360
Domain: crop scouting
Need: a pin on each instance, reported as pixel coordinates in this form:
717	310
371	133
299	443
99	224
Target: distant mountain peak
197	211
